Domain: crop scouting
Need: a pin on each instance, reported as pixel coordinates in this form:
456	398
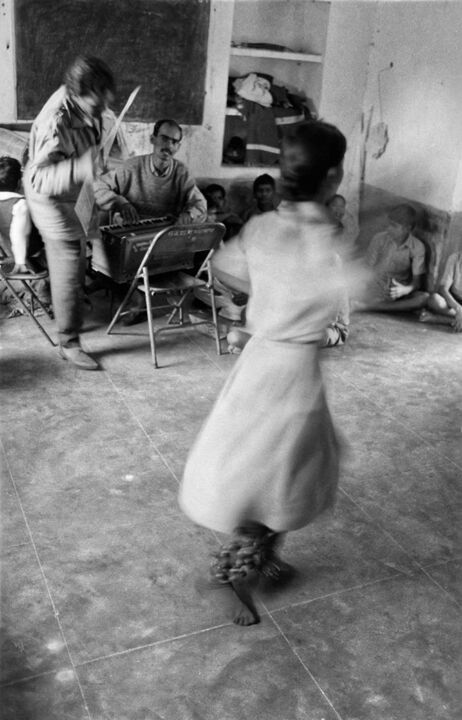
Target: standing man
155	184
64	144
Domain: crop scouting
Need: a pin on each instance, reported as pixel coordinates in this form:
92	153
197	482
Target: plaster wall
349	37
419	98
7	64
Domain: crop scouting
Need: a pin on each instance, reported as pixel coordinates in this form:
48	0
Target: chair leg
27	309
35	297
152	335
123	304
215	319
178	309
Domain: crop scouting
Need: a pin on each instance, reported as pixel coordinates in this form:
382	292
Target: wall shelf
276	55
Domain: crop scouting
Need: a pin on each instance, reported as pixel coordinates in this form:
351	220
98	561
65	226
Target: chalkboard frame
158	44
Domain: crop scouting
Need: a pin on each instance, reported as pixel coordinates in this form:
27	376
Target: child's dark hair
307	156
403	215
89	74
10	173
213	188
336	197
264	179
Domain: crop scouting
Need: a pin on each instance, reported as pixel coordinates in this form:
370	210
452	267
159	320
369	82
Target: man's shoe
78	357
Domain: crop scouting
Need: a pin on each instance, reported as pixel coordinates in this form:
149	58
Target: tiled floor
102	615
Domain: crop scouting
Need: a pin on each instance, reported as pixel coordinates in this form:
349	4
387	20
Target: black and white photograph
231	359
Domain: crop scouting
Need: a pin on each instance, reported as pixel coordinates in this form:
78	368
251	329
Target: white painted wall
7	65
421	99
421	95
349	38
346	61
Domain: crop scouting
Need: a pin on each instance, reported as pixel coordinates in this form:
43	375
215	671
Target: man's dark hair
89	74
166	121
306	158
264	179
10	173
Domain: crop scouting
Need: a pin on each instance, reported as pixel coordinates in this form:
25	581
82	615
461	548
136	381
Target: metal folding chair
9	280
172	251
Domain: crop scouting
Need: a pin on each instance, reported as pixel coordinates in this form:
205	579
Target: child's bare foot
425	316
246	613
244	616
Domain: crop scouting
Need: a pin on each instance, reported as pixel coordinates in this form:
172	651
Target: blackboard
158	44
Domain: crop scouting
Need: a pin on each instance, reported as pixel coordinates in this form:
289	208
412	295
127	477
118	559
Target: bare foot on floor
425	316
244	616
246	613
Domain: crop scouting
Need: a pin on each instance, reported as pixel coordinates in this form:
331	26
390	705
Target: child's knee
436	302
238	338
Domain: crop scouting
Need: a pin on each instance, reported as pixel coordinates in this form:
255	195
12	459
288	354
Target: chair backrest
176	246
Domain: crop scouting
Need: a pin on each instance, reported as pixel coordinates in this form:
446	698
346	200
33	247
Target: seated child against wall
445	306
19	239
347	225
218	211
264	197
337	331
397	260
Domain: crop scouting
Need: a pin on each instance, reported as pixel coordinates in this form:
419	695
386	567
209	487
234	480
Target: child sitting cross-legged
397	260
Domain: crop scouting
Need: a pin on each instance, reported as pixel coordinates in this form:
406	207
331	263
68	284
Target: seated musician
153	185
149	186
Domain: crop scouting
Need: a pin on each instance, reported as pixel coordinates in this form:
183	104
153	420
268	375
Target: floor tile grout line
396	419
304	665
4	548
416	563
47	586
438	563
146	434
28	678
382	529
335	593
175	638
441	587
168	514
209	357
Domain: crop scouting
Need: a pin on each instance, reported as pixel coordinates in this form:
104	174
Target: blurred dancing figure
267	458
63	150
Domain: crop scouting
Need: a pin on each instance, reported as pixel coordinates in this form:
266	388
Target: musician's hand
129	213
184	218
